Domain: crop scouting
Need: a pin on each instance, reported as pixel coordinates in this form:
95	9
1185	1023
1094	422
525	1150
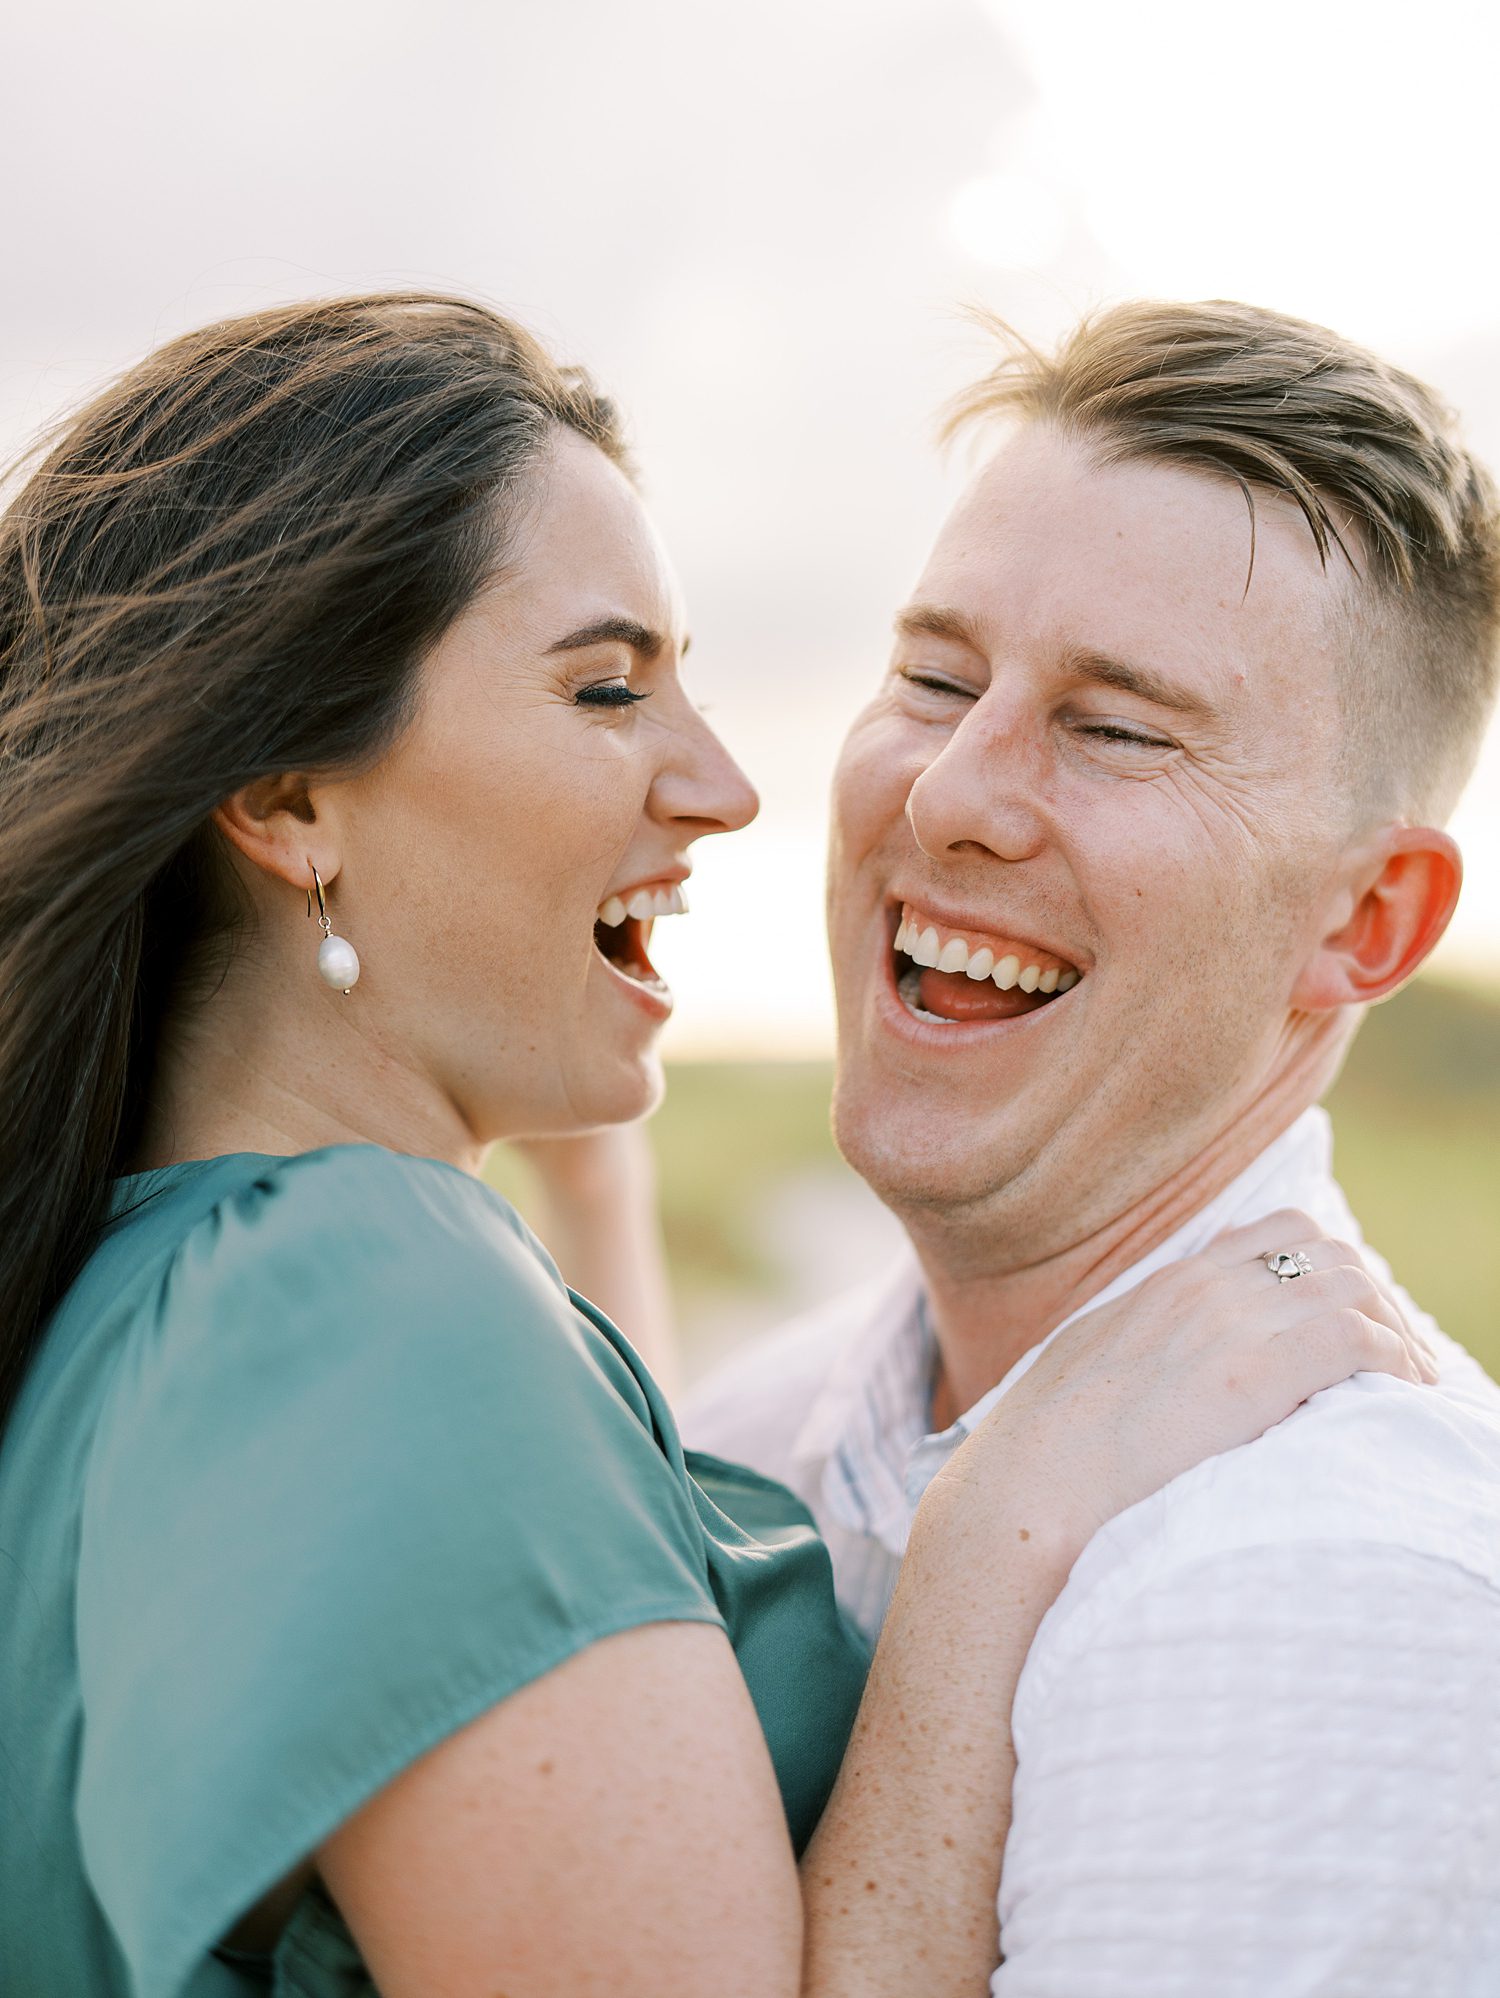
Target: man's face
1102	769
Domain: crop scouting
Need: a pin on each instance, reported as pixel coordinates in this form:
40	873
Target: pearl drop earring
338	961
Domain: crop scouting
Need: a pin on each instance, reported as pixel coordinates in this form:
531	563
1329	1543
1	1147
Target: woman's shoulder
389	1199
353	1329
351	1270
346	1219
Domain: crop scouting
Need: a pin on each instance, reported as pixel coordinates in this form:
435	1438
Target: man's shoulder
1373	1459
1373	1463
754	1407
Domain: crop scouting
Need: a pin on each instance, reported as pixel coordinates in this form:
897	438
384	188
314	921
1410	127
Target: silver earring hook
323	917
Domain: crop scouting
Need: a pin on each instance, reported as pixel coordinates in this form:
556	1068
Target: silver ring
1286	1264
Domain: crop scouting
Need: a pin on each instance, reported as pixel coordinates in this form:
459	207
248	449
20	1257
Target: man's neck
986	1317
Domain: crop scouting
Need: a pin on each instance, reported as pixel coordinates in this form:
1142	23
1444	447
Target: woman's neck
238	1073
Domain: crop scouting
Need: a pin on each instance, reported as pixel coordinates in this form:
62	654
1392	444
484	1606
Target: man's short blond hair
1370	455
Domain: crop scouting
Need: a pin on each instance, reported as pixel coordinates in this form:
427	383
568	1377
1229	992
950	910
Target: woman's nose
703	786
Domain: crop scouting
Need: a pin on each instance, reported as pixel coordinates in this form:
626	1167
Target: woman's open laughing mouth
622	937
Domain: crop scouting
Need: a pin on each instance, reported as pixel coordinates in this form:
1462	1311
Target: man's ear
1394	910
275	824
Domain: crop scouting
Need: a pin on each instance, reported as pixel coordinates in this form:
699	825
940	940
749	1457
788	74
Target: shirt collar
868	1423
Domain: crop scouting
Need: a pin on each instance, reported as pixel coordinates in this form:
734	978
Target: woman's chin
632	1091
574	1103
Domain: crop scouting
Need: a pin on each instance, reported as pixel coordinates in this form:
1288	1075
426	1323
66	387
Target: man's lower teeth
908	985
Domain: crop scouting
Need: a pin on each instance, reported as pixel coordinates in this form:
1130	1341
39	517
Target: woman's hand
1204	1355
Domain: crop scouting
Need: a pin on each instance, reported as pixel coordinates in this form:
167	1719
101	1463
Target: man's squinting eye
615	693
934	683
1104	731
1119	732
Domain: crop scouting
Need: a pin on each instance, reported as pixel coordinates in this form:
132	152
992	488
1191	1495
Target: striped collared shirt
1257	1735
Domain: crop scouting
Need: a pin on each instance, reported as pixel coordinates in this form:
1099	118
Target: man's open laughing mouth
949	976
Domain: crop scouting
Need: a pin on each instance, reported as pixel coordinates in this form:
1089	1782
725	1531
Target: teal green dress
318	1461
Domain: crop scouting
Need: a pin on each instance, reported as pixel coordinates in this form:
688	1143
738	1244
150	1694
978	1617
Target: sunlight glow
1008	219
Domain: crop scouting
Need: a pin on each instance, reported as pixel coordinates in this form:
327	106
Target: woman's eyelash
609	694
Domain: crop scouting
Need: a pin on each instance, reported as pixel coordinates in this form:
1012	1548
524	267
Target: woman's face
556	770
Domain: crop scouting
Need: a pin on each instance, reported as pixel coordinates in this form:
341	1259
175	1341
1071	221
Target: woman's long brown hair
230	564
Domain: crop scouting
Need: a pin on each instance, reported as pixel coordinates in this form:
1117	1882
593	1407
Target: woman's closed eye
616	693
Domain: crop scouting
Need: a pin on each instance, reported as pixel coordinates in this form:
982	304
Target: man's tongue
953	995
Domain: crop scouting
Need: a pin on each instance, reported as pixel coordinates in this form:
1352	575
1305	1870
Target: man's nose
982	790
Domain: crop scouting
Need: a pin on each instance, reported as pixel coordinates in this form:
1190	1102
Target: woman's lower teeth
641	973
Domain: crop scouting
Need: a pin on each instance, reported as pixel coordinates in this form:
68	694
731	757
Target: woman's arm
902	1877
615	1826
613	1830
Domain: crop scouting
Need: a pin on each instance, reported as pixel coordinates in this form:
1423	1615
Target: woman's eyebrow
613	631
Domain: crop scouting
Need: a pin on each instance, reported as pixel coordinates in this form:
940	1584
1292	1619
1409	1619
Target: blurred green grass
1416	1118
1416	1124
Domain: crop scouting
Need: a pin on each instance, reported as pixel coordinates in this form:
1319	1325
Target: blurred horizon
759	234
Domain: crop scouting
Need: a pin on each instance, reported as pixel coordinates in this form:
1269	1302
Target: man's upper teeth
1030	971
644	905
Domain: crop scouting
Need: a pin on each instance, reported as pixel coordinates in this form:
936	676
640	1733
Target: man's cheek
871	786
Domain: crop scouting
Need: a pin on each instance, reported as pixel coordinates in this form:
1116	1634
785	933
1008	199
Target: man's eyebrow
938	621
1142	681
942	621
613	631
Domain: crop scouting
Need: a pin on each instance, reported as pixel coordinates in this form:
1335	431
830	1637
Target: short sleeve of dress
363	1473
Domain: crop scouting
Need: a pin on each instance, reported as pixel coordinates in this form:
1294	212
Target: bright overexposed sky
756	226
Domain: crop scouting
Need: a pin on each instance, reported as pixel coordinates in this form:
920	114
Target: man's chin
916	1164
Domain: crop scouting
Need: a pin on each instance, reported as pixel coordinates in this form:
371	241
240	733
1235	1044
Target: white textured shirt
1258	1734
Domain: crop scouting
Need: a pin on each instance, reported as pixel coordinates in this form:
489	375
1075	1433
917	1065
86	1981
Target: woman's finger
1340	1277
1299	1236
1327	1307
1287	1228
1348	1341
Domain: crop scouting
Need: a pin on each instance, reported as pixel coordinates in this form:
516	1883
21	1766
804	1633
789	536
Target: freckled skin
466	866
1190	876
495	828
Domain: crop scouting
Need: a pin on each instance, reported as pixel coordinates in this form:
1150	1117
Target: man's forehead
1153	566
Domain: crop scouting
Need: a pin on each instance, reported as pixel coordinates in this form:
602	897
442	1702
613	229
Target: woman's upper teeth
1006	963
644	904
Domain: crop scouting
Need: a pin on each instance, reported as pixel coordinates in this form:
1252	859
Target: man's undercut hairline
1367	454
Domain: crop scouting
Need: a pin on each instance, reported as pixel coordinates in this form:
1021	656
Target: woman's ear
1395	909
275	824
